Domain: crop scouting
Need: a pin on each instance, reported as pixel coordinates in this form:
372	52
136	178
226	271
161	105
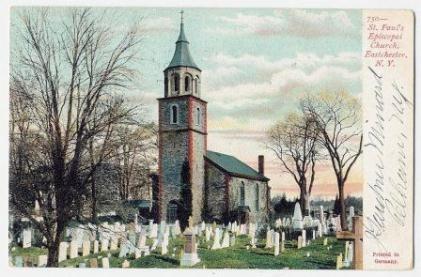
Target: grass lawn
233	257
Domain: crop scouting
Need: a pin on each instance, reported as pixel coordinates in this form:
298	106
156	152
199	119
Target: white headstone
73	252
86	248
96	247
276	243
297	219
27	238
304	236
104	245
269	239
225	240
105	262
62	251
42	260
216	240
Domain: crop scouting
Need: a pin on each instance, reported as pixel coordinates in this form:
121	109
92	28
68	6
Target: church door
172	212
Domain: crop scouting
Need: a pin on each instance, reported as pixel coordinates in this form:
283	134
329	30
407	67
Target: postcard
211	138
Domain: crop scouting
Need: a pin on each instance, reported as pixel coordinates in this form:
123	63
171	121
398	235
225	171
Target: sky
256	64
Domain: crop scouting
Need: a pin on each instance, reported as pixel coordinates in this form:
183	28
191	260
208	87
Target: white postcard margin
388	108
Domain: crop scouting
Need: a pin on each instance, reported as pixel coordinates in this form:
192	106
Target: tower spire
182	55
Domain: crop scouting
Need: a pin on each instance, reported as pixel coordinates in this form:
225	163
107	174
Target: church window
198	116
257	203
174	114
176	82
186	83
197	85
242	194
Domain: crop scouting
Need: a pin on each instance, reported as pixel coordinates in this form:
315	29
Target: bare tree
135	155
293	140
69	72
338	117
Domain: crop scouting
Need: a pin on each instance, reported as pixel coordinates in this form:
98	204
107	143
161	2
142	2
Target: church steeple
182	56
182	75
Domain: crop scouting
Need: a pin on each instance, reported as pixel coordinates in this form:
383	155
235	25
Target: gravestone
276	243
137	253
18	261
356	236
177	227
62	251
189	257
300	242
104	245
125	264
114	244
86	248
339	264
96	247
314	234
141	242
325	242
283	242
225	240
82	265
216	240
297	219
73	252
304	235
105	262
124	249
269	239
207	233
27	238
93	263
232	240
42	260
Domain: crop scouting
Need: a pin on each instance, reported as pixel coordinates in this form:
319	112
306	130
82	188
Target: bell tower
182	136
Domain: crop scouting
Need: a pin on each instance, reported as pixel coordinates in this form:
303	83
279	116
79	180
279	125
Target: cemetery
295	242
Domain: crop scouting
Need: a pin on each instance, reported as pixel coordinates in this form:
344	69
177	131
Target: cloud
157	24
294	22
253	92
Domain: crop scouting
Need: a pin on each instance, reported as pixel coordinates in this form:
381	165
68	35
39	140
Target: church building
210	186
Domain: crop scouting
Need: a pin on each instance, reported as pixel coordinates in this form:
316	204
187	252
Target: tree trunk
344	224
93	195
304	201
53	248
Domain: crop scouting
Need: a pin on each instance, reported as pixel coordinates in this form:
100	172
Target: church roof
234	166
182	56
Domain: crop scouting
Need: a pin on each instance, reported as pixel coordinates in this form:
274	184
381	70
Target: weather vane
182	15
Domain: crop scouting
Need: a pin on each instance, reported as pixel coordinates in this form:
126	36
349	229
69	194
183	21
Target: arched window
174	114
257	203
197	116
176	83
197	85
186	83
242	194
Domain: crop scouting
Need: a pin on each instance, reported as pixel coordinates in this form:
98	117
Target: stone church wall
257	214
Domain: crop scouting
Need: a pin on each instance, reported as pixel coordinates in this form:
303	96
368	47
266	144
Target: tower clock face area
182	81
